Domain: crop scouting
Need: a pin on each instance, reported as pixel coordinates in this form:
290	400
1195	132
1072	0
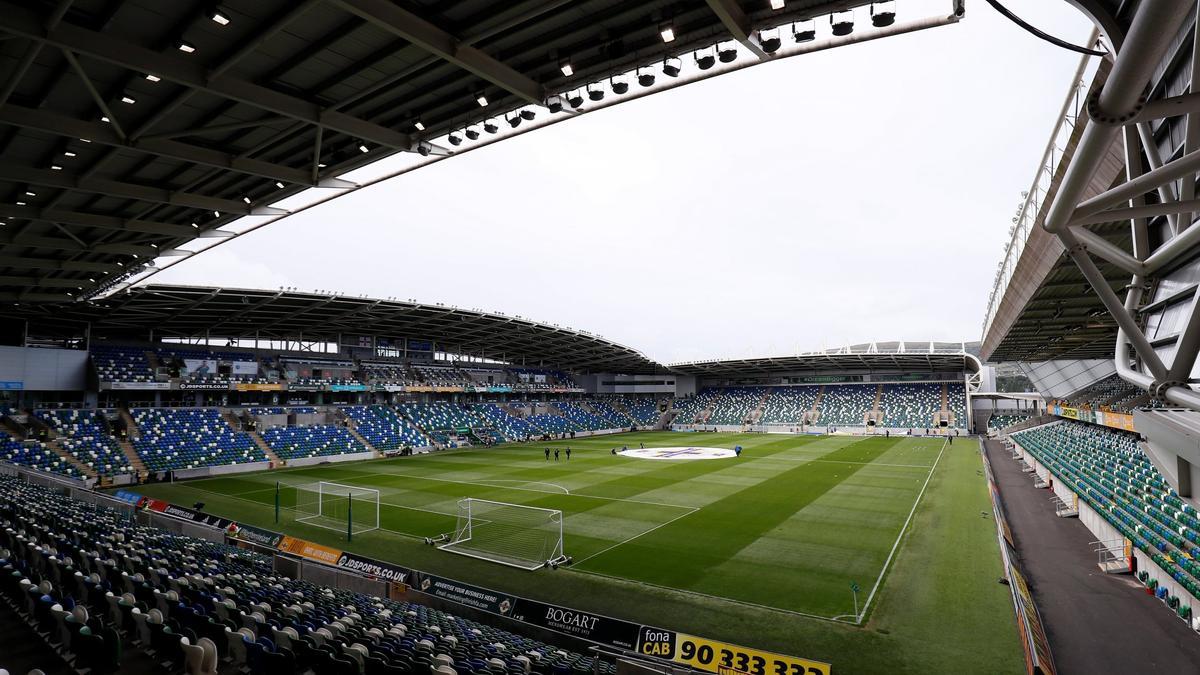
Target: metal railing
1033	200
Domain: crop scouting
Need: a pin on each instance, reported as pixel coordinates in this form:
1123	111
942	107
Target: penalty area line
639	534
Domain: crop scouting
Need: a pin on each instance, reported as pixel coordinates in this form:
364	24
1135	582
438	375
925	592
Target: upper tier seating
441	376
1111	474
387	373
35	455
384	429
279	410
844	405
787	405
1002	421
186	438
84	435
318	440
734	406
120	364
440	415
910	405
115	582
512	428
1100	393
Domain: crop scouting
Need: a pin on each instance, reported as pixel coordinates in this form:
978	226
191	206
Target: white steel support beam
1110	109
402	23
67	181
73	246
737	23
106	134
188	72
26	262
99	222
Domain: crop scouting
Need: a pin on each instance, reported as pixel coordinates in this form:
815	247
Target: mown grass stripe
717	532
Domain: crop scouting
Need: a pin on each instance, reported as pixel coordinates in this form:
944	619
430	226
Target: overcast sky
857	194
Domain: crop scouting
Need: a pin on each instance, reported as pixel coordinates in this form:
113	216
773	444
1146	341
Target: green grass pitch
760	549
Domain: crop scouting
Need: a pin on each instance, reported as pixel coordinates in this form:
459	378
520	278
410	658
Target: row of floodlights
883	14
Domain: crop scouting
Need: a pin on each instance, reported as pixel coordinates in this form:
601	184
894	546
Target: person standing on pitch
547	454
568	454
556	454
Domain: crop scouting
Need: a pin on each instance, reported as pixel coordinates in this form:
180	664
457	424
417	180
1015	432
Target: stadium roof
199	311
873	356
131	128
1042	307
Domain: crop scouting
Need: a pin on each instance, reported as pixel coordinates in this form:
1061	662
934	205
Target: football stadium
206	470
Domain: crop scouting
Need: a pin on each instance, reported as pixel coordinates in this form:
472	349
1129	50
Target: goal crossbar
336	506
525	537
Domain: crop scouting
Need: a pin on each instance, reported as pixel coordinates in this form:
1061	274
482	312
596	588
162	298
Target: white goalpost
510	534
333	506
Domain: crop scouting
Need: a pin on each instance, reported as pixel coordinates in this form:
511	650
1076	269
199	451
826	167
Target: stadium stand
440	415
1110	473
691	409
441	376
120	364
387	373
510	427
910	405
735	406
318	440
999	422
844	405
644	410
84	435
613	418
956	403
550	423
788	405
583	420
115	591
187	438
35	455
384	429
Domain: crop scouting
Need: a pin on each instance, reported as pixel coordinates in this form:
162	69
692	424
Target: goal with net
511	534
333	506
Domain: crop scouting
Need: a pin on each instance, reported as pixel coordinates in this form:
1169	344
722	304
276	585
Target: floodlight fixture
672	66
842	23
618	84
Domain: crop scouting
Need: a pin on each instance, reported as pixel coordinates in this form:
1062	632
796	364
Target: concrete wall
43	369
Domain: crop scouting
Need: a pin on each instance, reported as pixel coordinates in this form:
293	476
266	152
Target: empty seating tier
84	434
319	440
112	582
1111	474
384	429
189	438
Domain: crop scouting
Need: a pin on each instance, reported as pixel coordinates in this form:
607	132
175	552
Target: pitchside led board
712	656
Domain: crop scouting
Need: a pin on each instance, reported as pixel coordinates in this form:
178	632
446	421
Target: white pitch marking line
640	534
361	476
896	545
526	482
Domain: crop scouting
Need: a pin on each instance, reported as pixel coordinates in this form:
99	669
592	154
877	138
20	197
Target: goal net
345	508
519	536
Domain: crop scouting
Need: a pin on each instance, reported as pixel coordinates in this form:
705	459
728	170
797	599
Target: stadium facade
138	134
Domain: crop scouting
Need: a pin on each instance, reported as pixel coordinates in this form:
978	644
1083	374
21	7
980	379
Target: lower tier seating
187	438
318	440
110	588
1111	474
384	429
